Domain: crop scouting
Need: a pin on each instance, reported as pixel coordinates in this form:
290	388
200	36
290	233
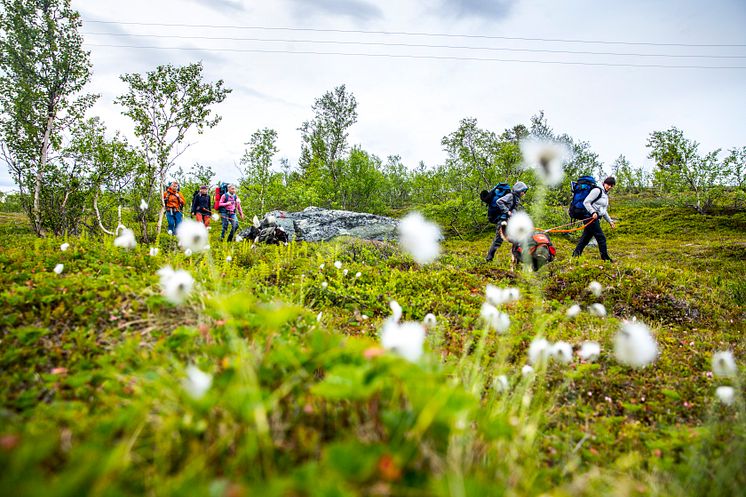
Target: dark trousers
497	241
593	230
229	218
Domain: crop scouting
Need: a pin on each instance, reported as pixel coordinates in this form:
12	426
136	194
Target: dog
537	251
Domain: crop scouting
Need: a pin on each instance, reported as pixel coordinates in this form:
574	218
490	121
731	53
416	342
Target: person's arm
182	200
223	201
588	202
239	210
505	204
194	204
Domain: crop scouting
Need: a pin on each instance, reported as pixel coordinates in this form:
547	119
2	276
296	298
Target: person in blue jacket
507	206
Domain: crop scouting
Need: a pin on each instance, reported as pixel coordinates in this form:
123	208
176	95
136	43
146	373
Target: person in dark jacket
506	205
201	205
597	205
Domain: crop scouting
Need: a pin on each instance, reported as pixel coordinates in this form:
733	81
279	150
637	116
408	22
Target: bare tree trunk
98	214
163	207
36	209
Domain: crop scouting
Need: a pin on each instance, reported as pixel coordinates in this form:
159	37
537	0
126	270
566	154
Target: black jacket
201	204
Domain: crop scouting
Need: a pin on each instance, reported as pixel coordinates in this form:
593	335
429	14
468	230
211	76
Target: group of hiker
590	203
226	203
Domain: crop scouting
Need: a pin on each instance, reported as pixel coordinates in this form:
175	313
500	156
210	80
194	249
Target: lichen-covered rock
314	224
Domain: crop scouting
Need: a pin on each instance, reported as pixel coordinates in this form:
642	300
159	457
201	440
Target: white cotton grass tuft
192	236
216	217
344	273
197	382
153	251
546	158
143	205
126	239
321	266
420	238
338	264
64	247
406	339
324	284
176	285
527	370
498	296
358	274
597	310
561	352
539	351
726	395
520	227
589	351
430	320
634	345
59	268
498	321
723	364
500	383
573	311
188	252
595	288
228	258
319	316
396	310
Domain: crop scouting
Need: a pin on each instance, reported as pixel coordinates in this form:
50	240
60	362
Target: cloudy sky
431	63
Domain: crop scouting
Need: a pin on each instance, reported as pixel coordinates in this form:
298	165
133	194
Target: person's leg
585	238
498	240
177	220
601	240
206	220
234	227
170	220
224	218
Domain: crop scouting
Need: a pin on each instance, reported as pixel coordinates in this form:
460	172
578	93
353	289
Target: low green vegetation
304	402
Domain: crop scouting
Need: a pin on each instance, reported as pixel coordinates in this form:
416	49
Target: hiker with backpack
201	206
502	202
595	204
229	201
174	202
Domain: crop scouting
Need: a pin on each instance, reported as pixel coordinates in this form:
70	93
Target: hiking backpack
580	190
540	249
491	197
220	190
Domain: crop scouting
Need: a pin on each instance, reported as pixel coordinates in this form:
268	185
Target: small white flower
723	364
338	264
589	351
539	351
64	246
207	247
321	266
726	395
229	258
324	284
634	345
520	227
170	232
595	288
597	310
59	268
344	273
573	311
546	157
396	309
527	370
364	316
188	252
405	339
192	236
500	383
126	240
143	204
498	296
197	382
358	274
430	321
318	316
153	251
499	321
216	217
561	352
176	285
419	237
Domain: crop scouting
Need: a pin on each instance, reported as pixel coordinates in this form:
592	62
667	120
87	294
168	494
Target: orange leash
556	230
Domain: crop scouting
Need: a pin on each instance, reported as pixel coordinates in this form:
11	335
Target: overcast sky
406	104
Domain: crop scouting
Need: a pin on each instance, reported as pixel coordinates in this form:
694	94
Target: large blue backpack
491	197
580	190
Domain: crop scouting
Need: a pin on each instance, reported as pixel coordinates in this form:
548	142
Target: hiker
174	202
506	205
597	203
201	206
229	201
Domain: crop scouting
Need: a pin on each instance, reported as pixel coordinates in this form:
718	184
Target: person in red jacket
174	202
232	205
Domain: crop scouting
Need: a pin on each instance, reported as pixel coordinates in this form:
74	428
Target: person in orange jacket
174	202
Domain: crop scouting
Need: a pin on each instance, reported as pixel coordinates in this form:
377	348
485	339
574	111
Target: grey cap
520	187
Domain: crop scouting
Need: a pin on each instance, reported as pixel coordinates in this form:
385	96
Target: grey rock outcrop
315	224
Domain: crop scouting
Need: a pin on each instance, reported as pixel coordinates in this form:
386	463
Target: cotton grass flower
153	251
59	268
197	382
338	264
500	383
520	227
64	247
723	364
216	217
498	321
726	395
546	157
404	339
561	352
595	288
126	239
573	311
358	274
143	205
597	310
324	284
188	252
321	266
396	310
429	321
176	285
419	237
539	351
344	273
498	296
634	345
589	351
192	236
228	258
527	370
